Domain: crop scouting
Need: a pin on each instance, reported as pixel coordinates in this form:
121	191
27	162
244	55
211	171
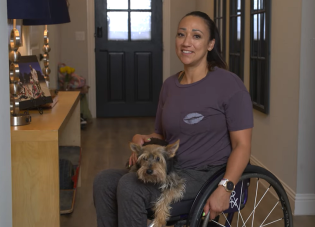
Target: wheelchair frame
193	218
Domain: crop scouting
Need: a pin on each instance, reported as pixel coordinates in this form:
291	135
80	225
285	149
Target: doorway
128	57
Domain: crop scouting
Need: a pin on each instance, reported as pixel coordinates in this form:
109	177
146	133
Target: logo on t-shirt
193	118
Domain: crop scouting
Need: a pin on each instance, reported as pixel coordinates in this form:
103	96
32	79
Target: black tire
196	216
66	173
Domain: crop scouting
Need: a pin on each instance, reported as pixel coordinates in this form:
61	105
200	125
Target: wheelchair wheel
267	204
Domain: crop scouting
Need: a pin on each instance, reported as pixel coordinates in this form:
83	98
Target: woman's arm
239	158
237	162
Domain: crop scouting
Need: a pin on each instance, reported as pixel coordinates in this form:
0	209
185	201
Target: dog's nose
149	171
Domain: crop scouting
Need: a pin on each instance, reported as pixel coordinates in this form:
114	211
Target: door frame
166	8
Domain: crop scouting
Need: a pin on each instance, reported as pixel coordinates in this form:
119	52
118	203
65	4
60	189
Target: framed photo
19	24
34	91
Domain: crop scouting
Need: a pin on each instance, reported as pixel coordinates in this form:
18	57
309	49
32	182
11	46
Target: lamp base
20	119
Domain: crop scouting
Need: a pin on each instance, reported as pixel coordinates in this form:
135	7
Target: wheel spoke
227	220
239	208
255	201
218	223
272	222
262	224
257	205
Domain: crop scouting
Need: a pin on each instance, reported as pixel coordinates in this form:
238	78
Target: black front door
128	51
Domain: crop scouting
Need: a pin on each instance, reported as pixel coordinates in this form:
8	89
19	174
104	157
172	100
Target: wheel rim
266	205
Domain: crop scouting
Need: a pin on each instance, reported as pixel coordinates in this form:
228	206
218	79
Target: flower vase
66	86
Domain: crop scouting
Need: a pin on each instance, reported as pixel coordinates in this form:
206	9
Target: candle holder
17	118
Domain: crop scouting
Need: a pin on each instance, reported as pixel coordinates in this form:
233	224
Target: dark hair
214	57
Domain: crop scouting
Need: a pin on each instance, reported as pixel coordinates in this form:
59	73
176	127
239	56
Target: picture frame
34	91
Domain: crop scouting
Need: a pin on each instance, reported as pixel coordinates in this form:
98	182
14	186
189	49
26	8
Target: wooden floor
105	145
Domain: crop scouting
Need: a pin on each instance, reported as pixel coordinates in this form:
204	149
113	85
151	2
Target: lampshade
28	9
59	14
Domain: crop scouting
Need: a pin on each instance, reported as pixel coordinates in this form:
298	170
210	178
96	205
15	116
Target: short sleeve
239	112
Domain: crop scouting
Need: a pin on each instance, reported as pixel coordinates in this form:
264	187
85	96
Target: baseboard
304	204
291	194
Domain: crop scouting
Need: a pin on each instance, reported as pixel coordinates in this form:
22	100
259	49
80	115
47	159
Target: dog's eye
157	159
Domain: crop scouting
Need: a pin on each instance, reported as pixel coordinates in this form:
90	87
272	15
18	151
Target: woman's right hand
138	139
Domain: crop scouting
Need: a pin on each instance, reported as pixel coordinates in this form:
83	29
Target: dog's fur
156	165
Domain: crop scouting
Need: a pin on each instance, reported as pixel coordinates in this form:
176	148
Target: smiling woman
208	109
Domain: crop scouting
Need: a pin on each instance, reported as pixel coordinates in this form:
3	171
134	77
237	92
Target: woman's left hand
218	201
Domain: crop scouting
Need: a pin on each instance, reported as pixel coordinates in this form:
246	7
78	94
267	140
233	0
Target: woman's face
192	41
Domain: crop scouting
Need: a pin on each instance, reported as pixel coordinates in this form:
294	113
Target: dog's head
153	161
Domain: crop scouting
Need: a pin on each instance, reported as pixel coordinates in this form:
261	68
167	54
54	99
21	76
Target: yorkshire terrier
155	164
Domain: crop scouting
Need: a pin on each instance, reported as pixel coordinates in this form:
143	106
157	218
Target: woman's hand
218	201
138	139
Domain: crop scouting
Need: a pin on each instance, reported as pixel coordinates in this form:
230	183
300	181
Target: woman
205	106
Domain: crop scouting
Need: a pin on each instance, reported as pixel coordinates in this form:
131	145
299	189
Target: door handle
99	32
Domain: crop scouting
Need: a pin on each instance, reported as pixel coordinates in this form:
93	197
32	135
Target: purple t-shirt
201	115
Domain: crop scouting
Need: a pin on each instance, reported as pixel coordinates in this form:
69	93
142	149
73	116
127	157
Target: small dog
155	164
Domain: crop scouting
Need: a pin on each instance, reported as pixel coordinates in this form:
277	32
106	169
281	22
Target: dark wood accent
236	52
260	56
143	76
218	19
116	66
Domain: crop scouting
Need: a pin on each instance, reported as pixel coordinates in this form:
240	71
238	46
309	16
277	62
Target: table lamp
59	14
21	9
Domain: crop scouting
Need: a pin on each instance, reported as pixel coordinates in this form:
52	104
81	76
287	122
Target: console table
35	161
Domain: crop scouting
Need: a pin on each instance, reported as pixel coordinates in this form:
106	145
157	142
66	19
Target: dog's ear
136	148
172	148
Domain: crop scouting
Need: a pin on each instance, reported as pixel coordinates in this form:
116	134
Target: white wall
5	137
205	6
74	52
305	189
54	54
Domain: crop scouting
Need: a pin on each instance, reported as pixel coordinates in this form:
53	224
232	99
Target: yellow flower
67	69
62	69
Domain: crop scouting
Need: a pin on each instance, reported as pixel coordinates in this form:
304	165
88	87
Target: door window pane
140	4
140	25
238	4
114	4
117	25
258	4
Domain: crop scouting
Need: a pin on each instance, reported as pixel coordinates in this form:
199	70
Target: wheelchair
269	206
